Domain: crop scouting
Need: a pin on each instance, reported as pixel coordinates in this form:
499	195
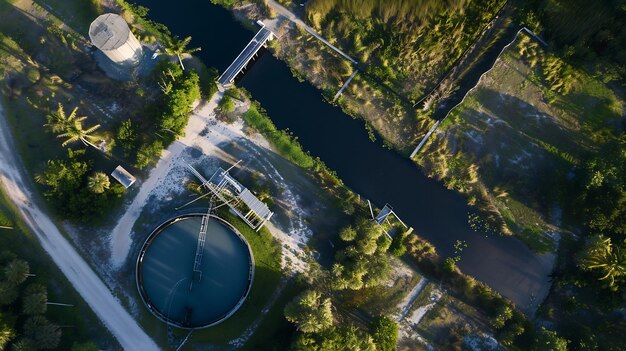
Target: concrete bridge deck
259	40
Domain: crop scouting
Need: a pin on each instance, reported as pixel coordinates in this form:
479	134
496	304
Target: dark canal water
381	175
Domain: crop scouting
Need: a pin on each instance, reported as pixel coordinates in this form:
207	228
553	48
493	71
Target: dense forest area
408	45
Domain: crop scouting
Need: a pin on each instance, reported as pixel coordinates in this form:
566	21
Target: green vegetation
335	339
602	190
98	183
28	281
510	145
70	127
510	326
584	32
288	146
364	261
549	340
362	265
143	140
403	44
178	47
284	142
310	312
77	17
608	260
72	191
385	334
143	28
176	103
226	104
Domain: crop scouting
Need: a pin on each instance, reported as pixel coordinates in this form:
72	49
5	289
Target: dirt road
121	240
14	182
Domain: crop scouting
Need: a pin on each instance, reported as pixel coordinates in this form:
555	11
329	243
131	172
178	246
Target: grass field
80	323
517	137
76	14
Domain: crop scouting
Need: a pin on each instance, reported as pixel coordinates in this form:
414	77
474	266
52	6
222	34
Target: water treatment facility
194	271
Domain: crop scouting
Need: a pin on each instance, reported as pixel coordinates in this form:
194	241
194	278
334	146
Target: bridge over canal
246	55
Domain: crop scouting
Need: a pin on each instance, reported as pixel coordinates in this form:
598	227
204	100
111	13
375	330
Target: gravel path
81	276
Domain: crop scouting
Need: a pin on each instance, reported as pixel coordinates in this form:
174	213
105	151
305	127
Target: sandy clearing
121	240
205	133
85	281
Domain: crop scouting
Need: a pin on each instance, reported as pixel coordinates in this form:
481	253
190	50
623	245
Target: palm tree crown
71	127
609	260
98	182
179	47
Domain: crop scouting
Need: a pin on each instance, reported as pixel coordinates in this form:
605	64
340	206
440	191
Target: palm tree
59	121
6	334
8	293
609	260
98	182
71	127
16	272
35	303
310	312
179	48
46	335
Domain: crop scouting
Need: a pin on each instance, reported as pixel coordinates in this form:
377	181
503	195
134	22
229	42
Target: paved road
85	281
293	18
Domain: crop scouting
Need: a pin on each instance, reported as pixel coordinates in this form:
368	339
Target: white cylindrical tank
111	34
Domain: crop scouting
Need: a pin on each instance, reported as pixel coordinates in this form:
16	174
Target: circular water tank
111	34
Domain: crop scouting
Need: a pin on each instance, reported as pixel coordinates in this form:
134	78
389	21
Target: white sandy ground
205	133
85	281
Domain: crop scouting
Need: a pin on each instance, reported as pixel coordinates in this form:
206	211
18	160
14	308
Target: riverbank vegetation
406	45
511	144
334	312
289	147
469	308
539	146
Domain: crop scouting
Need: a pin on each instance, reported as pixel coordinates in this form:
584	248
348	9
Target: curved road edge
108	309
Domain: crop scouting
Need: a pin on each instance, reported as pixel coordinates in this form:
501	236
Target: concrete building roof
123	176
109	31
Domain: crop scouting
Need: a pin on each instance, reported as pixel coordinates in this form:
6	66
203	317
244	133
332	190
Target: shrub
147	153
226	104
127	136
385	334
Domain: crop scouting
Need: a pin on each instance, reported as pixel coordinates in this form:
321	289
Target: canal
379	174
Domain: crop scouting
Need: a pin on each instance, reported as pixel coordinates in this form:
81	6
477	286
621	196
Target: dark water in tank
169	282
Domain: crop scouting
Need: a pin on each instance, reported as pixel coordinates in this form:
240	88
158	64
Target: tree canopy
67	185
608	260
364	261
603	189
310	312
71	127
385	334
23	325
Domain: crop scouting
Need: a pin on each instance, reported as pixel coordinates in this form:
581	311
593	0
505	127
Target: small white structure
110	33
123	176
